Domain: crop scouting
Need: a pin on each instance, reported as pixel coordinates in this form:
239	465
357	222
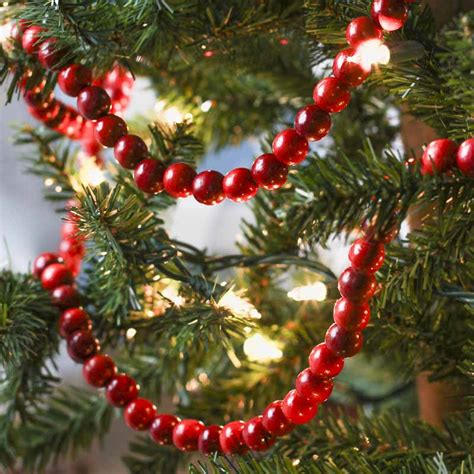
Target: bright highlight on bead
238	305
314	292
260	348
372	52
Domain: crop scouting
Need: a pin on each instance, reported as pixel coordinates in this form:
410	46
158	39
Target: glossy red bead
239	185
72	247
274	421
231	438
290	147
362	29
93	102
148	176
268	172
178	180
65	296
391	15
313	388
438	156
30	40
161	430
298	409
186	434
207	187
347	67
72	79
55	275
129	150
109	128
208	441
139	414
255	436
49	55
17	29
39	101
121	390
351	316
331	95
367	256
465	157
81	345
343	343
72	320
323	363
44	260
99	370
312	122
356	287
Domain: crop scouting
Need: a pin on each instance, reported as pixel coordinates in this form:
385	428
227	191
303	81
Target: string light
172	294
171	116
372	52
314	292
130	334
238	305
260	348
90	173
206	106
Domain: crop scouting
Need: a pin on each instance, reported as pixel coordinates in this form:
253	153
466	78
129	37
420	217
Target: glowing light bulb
90	174
314	292
172	115
260	348
172	294
130	334
5	31
206	106
238	305
372	52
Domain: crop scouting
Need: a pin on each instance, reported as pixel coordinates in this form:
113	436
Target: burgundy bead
161	429
268	172
93	102
55	275
109	128
99	370
438	156
139	414
298	409
331	95
178	180
72	79
130	150
208	441
255	436
312	387
121	390
81	345
323	363
44	260
31	39
186	434
348	68
49	55
290	147
207	187
312	123
72	320
356	286
65	296
343	343
362	29
366	256
391	15
231	439
465	157
274	421
239	185
148	176
350	316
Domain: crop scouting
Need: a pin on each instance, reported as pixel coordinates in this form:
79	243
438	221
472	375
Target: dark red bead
81	345
274	421
366	256
312	123
109	128
121	390
148	176
17	29
439	156
256	437
362	29
31	39
356	286
139	414
331	95
178	180
239	185
47	115
49	55
72	79
268	172
290	147
55	275
161	429
65	296
348	68
72	320
186	434
44	260
343	343
130	150
465	157
231	439
99	370
93	102
208	441
39	101
323	363
313	388
207	187
298	409
350	316
391	15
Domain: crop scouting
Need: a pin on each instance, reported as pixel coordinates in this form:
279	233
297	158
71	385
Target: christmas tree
363	110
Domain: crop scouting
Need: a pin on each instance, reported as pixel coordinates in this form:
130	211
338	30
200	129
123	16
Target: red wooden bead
55	275
65	296
391	15
178	180
37	99
93	102
139	414
148	176
438	156
44	260
239	185
274	421
109	128
99	370
268	172
366	256
208	441
81	345
312	123
71	247
72	79
17	29
362	29
255	436
323	363
129	150
161	429
348	68
207	187
121	390
49	55
231	439
186	434
31	39
47	115
356	286
350	316
343	343
465	157
312	387
69	231
331	95
72	320
290	147
298	409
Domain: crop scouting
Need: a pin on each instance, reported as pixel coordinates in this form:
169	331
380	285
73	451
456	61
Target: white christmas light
372	52
206	106
260	348
5	31
172	294
314	292
130	334
90	174
239	306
